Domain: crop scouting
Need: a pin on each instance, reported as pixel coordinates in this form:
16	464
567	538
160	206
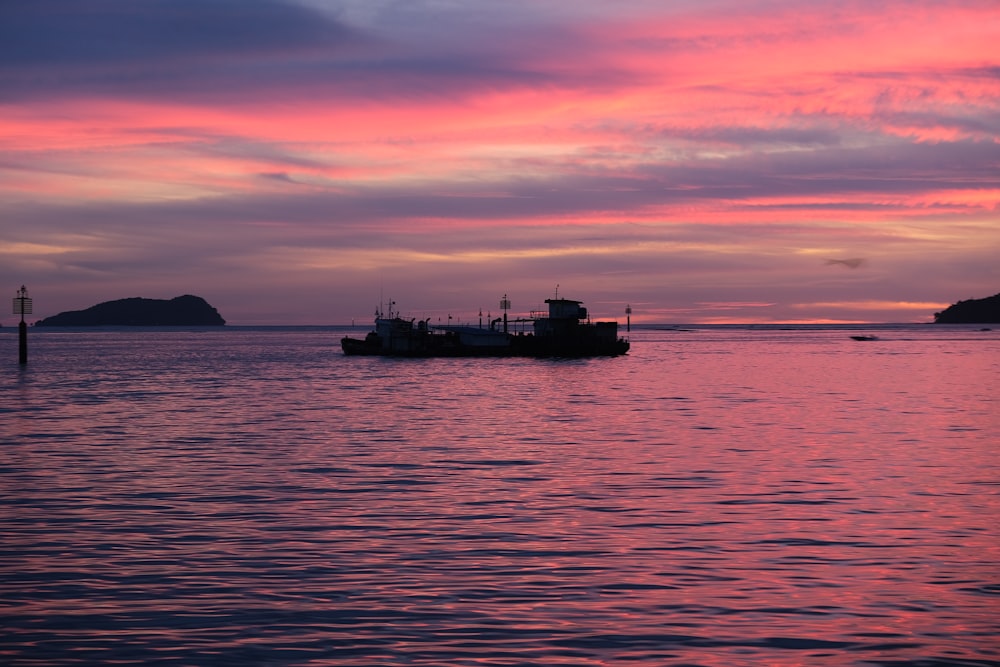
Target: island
181	311
972	311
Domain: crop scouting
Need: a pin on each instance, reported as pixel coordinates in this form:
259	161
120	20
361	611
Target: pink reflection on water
708	499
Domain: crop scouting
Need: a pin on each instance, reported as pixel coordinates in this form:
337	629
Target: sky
300	162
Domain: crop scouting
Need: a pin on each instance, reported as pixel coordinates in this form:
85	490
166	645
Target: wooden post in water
22	307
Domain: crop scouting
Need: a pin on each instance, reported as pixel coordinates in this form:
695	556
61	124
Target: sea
719	496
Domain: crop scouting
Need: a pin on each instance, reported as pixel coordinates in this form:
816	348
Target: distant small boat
864	337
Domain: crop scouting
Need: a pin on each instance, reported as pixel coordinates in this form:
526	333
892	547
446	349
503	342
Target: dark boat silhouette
565	331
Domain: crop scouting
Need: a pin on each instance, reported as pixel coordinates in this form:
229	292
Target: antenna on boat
505	304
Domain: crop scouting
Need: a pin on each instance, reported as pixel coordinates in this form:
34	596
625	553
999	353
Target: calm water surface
719	496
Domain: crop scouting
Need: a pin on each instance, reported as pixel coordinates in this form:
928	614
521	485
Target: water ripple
713	498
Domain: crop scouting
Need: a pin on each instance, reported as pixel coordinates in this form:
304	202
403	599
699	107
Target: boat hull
518	346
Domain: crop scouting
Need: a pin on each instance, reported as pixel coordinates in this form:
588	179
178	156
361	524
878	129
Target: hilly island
971	311
182	311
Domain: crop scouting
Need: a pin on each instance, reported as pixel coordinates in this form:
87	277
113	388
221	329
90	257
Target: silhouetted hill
973	311
181	311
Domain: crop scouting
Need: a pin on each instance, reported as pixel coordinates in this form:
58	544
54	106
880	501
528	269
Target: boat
565	330
864	337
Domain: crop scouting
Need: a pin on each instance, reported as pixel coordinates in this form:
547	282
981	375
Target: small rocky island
972	311
181	311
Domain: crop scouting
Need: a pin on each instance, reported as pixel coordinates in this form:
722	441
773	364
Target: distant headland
181	311
972	311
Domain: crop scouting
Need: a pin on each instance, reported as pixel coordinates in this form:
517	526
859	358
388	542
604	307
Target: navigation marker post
22	307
